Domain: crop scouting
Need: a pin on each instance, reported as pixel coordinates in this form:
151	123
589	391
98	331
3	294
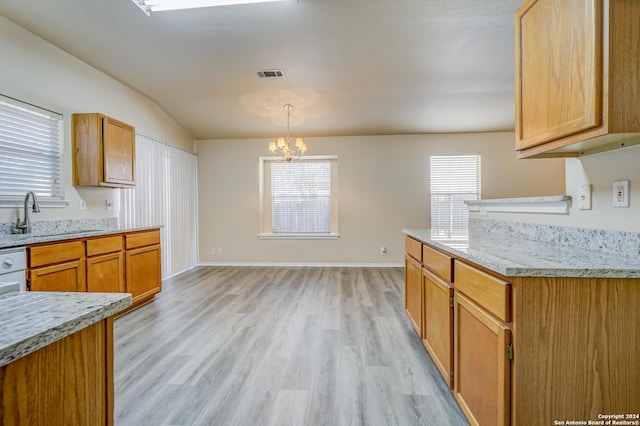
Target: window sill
19	203
298	236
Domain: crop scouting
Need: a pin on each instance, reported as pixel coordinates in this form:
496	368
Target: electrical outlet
83	204
214	251
383	251
109	205
621	193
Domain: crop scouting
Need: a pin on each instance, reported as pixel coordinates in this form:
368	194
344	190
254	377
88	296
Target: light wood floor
277	346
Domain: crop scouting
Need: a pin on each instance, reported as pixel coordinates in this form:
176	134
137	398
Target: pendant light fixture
284	146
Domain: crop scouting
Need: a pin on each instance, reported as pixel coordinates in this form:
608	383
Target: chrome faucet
25	227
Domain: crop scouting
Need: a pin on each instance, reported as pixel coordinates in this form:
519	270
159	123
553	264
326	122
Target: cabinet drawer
141	239
413	248
490	292
104	245
55	253
438	262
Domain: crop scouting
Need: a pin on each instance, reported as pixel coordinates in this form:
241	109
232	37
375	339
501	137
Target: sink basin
55	234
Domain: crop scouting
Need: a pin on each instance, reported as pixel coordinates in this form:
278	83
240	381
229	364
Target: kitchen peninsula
56	357
530	324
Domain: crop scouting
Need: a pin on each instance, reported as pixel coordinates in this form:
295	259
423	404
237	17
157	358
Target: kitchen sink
55	234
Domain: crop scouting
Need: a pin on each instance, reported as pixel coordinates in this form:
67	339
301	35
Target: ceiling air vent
271	74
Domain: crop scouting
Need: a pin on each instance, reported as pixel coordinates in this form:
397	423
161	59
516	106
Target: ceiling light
283	145
161	5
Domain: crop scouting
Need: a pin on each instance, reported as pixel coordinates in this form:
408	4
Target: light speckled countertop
32	320
511	256
17	240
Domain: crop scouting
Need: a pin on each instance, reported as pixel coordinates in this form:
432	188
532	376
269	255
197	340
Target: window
454	180
298	198
31	142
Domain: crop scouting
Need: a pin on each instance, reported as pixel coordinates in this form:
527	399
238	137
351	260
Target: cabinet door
69	276
482	383
106	273
69	382
558	69
413	292
437	329
143	272
118	151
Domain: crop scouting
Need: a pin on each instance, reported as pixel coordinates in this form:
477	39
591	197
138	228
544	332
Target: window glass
31	142
454	179
301	196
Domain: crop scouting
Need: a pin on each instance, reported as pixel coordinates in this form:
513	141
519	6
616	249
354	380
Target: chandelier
284	146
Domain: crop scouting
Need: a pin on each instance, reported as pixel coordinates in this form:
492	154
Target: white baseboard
311	265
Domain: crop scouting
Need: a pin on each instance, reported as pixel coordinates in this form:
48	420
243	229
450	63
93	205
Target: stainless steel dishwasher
13	263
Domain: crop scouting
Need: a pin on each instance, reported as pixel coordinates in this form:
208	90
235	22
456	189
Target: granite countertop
17	240
32	320
513	257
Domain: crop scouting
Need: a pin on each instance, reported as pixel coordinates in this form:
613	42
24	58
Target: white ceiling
353	67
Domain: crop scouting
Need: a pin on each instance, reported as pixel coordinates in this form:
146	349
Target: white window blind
454	180
31	143
301	197
166	193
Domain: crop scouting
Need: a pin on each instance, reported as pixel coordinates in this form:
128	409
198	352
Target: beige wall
382	189
600	171
39	73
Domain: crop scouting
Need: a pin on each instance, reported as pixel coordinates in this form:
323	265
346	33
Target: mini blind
301	196
31	143
454	180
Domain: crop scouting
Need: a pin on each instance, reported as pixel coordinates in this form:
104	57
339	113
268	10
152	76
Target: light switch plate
621	193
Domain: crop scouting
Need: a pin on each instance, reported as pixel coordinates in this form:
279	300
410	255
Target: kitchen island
56	357
525	330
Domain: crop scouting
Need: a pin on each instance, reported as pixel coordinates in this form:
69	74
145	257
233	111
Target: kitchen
377	173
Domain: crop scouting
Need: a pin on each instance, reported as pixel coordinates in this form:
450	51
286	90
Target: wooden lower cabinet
116	263
56	267
105	273
143	273
69	382
68	276
482	383
413	292
105	264
437	330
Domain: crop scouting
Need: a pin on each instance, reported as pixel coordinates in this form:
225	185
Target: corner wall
37	72
383	188
600	171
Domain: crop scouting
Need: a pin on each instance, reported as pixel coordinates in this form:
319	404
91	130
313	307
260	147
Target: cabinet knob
7	263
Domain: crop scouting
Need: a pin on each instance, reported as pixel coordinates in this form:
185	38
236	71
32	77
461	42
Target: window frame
58	162
265	202
451	236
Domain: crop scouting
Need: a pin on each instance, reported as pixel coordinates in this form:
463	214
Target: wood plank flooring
277	346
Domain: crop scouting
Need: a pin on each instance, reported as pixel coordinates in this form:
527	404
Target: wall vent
271	74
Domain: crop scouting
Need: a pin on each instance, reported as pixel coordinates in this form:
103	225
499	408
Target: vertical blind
165	194
454	180
301	196
31	145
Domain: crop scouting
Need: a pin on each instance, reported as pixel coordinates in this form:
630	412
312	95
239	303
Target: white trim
19	203
553	205
290	236
306	264
178	273
265	217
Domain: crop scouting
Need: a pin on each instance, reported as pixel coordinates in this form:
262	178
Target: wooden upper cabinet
577	76
103	151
